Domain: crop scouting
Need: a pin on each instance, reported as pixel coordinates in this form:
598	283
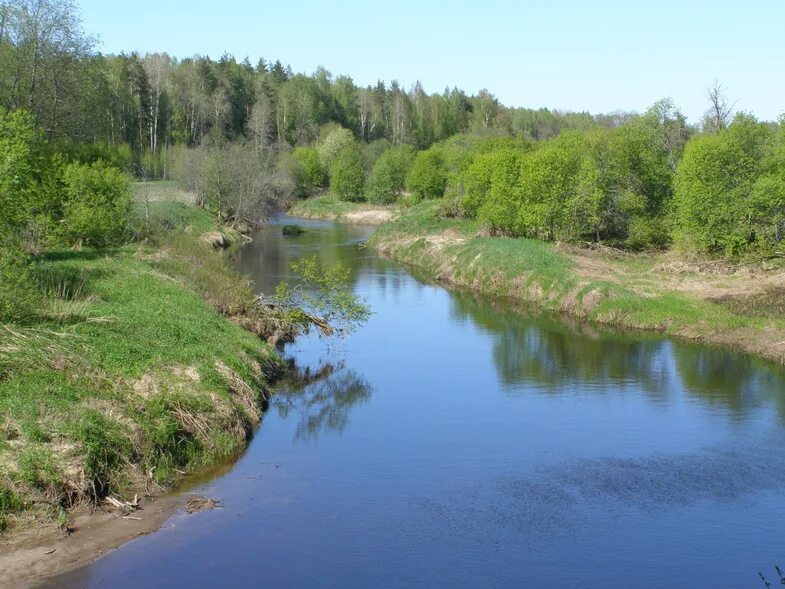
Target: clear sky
598	55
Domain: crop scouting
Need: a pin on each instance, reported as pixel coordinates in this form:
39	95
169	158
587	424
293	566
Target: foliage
595	185
311	175
334	143
725	203
428	175
322	297
97	202
19	297
347	177
26	173
372	151
388	178
239	181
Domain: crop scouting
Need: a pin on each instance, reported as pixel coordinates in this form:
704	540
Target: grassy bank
136	370
713	302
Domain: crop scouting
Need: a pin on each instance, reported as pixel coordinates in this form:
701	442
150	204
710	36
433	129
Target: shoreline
665	293
35	556
171	376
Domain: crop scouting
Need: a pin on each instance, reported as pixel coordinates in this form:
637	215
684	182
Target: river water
453	443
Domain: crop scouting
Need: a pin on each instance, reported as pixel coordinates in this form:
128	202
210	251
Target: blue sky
599	55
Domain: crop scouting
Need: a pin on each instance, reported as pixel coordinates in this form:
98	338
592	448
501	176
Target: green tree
388	178
311	175
97	203
714	188
25	171
428	175
333	143
347	177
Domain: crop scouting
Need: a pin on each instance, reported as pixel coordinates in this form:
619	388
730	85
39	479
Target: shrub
714	188
19	296
491	189
428	175
373	151
388	178
26	173
293	230
347	177
311	175
97	204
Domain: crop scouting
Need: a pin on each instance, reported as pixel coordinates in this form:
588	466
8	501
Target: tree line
247	137
142	105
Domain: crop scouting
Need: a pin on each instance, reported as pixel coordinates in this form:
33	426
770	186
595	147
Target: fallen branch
125	506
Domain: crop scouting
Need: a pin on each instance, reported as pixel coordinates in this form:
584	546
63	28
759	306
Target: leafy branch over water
322	298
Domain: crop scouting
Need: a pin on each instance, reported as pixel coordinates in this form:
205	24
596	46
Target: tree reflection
723	377
556	357
268	258
321	398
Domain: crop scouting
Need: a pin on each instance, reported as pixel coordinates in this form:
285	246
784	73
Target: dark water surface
452	443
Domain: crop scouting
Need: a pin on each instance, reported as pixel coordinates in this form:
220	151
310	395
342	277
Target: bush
26	173
428	175
347	177
373	151
311	175
491	184
19	295
388	178
293	230
97	204
714	190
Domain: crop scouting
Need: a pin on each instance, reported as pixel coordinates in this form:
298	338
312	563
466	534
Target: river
452	442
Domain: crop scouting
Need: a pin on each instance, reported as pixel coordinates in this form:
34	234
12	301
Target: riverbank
330	208
144	364
718	303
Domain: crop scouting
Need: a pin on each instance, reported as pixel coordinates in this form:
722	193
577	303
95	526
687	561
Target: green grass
132	367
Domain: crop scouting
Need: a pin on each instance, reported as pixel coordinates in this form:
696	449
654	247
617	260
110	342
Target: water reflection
267	259
321	398
559	356
722	377
534	349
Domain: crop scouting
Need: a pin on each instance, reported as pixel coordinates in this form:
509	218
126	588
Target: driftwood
320	323
126	507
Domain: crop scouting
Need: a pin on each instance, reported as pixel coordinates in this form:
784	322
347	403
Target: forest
248	138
